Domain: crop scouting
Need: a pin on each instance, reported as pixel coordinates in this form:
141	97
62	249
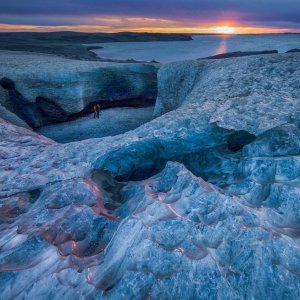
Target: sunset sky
181	16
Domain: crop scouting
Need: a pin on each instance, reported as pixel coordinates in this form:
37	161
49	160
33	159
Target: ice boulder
253	93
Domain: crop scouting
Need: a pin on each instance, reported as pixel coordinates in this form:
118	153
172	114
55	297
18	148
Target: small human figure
98	110
95	111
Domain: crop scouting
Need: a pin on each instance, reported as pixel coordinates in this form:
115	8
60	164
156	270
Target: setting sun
225	30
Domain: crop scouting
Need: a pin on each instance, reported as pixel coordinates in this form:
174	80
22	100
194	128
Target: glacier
200	203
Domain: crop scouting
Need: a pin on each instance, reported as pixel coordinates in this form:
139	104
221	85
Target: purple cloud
49	12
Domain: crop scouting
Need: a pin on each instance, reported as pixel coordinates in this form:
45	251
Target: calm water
201	46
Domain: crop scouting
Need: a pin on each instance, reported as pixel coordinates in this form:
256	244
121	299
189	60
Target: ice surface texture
58	87
187	206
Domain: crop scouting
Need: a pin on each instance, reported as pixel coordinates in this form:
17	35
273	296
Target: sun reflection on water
223	45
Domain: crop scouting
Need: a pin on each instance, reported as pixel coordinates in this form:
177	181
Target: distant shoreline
79	46
70	44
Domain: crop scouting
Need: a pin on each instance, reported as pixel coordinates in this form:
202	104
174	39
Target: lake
201	46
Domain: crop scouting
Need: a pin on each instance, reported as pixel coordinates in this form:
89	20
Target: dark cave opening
239	139
50	111
144	159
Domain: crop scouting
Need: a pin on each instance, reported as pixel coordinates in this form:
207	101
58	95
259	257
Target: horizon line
146	32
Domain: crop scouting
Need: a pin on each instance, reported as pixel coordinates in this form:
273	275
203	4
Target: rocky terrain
200	203
43	89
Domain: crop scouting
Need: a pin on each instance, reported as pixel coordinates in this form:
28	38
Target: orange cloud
112	24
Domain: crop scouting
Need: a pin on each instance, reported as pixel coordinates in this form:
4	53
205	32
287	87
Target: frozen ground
112	122
200	203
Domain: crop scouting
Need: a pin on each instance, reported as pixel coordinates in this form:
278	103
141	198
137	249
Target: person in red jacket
98	110
95	111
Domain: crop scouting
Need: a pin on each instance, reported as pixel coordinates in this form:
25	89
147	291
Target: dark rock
7	83
240	54
293	51
93	47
